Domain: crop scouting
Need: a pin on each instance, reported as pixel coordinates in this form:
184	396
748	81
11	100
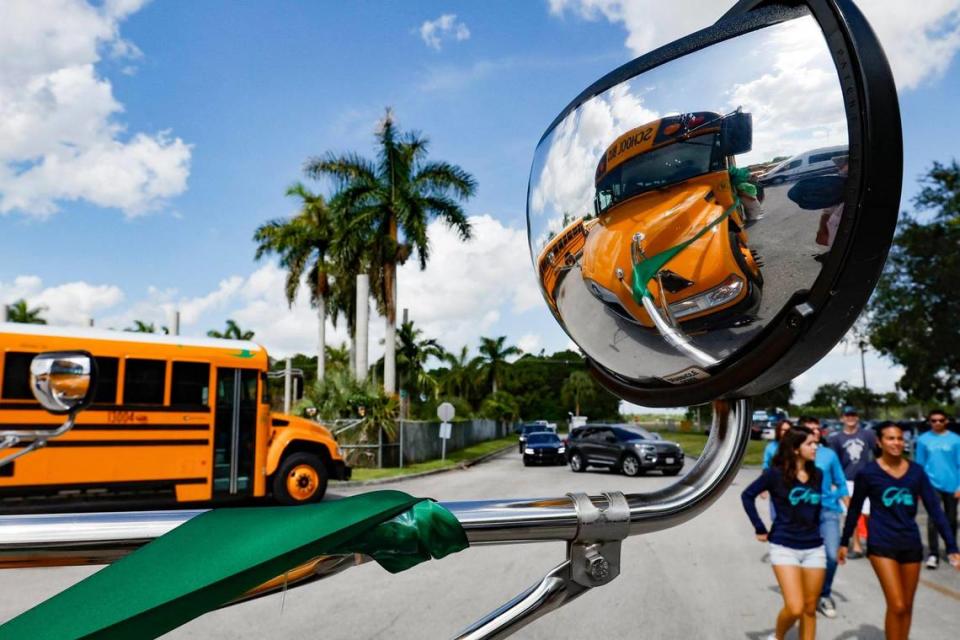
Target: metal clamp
595	553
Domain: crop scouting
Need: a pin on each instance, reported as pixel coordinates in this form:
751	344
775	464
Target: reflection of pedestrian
796	548
938	452
895	486
830	218
854	446
833	492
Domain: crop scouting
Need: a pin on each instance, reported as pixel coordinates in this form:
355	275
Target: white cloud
920	41
71	303
529	342
60	139
444	29
565	183
842	364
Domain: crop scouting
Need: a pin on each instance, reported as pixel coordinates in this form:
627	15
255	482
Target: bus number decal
120	417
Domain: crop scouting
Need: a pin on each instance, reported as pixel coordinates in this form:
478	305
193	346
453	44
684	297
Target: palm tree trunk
494	376
322	335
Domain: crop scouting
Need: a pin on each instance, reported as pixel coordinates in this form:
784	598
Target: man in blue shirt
855	446
833	492
938	452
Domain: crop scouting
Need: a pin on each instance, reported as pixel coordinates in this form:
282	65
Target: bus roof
84	333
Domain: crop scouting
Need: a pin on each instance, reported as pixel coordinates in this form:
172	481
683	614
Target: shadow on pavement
863	632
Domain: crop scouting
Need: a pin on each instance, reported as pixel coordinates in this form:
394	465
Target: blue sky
175	128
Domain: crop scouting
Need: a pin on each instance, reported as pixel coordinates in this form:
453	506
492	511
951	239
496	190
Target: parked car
627	448
544	447
805	165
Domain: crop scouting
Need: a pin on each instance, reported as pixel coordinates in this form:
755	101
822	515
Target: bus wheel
301	478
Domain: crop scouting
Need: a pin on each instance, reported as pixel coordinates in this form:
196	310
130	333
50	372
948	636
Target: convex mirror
709	219
63	381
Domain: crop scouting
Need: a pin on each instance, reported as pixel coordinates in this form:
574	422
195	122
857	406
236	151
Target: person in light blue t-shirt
833	492
938	452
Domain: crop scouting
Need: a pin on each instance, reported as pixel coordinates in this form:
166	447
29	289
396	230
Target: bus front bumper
339	470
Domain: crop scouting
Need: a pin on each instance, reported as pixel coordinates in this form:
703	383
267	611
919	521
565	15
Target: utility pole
176	323
363	322
287	387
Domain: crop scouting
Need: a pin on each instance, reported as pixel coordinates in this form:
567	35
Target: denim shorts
815	558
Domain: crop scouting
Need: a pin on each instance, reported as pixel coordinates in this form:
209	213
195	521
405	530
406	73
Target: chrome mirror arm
38	439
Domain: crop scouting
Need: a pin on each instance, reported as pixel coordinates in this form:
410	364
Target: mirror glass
62	382
674	215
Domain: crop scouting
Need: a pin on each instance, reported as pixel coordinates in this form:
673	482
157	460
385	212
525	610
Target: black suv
630	449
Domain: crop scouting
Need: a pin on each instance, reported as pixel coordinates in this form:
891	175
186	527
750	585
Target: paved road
707	579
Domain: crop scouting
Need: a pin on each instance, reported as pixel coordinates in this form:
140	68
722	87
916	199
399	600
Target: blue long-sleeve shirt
834	480
893	508
768	452
797	521
939	455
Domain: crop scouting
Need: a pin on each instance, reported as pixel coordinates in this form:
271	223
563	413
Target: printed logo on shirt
854	449
803	494
897	495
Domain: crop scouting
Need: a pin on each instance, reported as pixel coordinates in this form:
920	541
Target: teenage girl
894	486
771	450
796	548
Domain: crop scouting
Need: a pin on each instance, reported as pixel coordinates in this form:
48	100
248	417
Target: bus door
235	428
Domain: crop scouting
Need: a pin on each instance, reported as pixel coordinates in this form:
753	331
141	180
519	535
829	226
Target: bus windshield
659	168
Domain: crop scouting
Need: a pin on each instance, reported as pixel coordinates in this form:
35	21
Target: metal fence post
401	443
380	448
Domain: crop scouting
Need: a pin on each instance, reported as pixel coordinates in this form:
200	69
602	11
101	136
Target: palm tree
232	332
462	373
302	242
20	312
413	352
495	355
139	326
398	193
578	387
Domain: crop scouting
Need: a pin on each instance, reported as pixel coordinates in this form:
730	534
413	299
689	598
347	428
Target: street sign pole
445	412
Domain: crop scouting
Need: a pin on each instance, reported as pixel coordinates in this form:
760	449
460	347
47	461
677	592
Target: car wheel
526	462
301	479
577	463
630	465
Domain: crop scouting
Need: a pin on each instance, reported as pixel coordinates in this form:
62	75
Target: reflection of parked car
807	164
630	449
544	448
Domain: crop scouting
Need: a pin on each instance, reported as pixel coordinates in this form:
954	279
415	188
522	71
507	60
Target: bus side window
190	384
16	376
106	380
143	381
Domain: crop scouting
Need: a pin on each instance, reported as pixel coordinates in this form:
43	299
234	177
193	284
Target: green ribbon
221	554
646	270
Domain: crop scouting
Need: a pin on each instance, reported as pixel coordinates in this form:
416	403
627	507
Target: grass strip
693	444
454	458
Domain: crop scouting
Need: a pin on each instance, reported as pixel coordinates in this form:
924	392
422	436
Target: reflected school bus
173	418
560	254
661	185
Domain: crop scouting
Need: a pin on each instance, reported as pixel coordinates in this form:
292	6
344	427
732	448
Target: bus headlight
720	295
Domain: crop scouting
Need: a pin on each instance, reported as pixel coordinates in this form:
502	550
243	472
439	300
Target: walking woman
771	450
796	548
894	486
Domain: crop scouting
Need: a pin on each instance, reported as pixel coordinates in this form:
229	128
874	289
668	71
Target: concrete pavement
705	579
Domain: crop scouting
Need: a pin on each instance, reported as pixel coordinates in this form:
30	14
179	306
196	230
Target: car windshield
543	438
659	168
532	428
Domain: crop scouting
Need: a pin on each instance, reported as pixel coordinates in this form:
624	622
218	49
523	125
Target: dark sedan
629	449
544	448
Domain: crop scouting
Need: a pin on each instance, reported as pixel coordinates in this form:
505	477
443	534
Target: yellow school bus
657	186
173	418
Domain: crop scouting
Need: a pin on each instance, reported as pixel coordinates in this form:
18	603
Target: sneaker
854	555
827	607
933	562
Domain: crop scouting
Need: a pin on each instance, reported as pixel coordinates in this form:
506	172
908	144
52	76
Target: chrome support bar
675	336
84	538
37	439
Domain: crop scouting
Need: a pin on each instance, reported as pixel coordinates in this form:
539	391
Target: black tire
526	462
630	466
281	492
578	464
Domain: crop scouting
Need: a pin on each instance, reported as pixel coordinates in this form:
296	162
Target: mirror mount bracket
37	439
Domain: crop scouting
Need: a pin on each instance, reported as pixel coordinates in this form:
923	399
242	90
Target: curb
411	476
